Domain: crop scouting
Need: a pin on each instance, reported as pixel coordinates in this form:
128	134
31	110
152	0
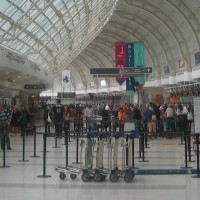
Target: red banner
120	58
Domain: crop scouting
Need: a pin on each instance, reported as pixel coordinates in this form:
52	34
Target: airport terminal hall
99	99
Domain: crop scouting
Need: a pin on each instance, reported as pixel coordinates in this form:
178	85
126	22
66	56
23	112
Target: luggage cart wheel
128	177
85	177
97	177
114	177
62	176
73	176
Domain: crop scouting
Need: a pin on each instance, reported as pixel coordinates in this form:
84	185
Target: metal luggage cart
127	173
72	170
100	172
87	170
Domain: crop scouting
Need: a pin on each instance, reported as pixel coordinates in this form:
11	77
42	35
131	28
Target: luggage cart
72	170
87	171
114	174
127	173
100	172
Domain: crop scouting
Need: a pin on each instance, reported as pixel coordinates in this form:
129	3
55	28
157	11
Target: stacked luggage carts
94	147
127	172
98	173
87	171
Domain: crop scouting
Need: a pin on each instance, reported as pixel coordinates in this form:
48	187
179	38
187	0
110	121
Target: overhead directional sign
135	70
104	71
127	70
120	75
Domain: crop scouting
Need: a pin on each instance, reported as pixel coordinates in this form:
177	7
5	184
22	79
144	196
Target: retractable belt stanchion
77	141
140	145
133	160
189	146
127	151
186	164
133	151
34	143
58	130
182	136
146	135
23	151
143	157
4	152
44	157
66	149
197	141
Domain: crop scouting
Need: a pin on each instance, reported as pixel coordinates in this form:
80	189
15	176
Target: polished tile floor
21	181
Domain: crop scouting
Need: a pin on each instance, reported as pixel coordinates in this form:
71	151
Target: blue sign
129	55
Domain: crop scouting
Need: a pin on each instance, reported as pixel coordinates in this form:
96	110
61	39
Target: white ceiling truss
80	34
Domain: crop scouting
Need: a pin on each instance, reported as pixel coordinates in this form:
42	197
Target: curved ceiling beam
135	21
185	18
103	52
148	8
81	64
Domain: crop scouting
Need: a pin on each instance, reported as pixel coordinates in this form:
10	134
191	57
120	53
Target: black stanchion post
77	139
66	143
133	154
189	147
127	151
186	164
23	151
197	141
34	143
133	161
140	145
143	139
182	136
86	124
4	152
44	158
146	135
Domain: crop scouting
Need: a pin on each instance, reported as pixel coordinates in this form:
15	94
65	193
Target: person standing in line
72	116
121	117
137	117
47	117
106	122
190	116
147	114
32	113
4	120
24	119
115	117
15	120
89	114
169	114
66	122
58	113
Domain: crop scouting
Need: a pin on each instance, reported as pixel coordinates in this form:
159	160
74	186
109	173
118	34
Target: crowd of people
152	118
16	121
